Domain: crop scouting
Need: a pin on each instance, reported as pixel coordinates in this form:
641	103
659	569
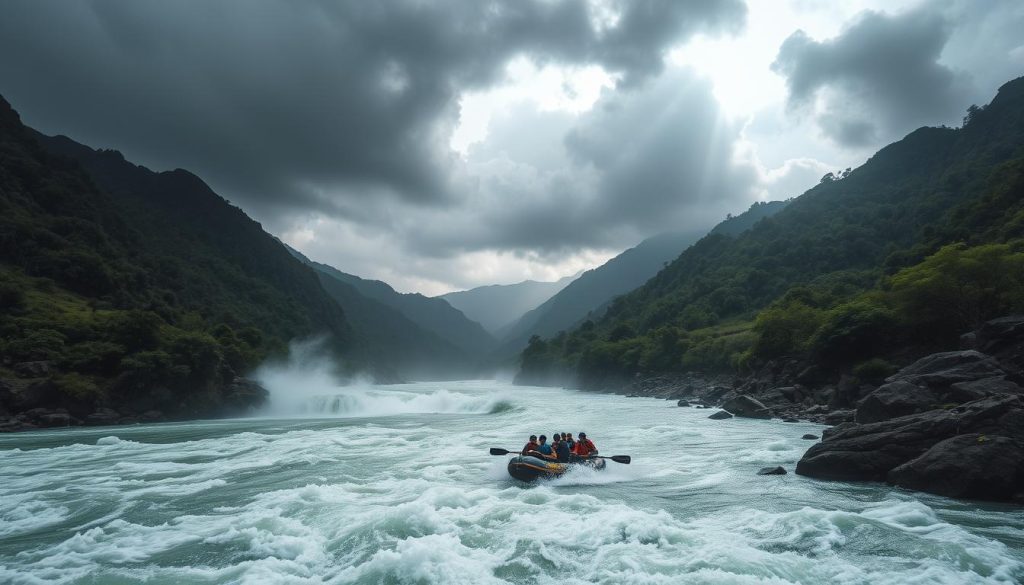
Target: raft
526	468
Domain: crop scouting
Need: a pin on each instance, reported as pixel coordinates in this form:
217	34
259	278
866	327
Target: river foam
415	498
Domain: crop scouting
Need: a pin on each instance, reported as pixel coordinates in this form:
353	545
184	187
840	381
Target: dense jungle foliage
123	286
900	255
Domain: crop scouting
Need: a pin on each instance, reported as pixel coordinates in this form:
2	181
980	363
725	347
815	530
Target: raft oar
624	459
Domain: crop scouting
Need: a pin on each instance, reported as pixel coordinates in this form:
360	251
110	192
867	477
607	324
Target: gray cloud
655	157
879	78
291	104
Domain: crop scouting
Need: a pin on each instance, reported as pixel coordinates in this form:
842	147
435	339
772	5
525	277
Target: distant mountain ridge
433	315
594	289
498	306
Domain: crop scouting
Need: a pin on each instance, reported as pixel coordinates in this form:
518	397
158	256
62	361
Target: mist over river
394	484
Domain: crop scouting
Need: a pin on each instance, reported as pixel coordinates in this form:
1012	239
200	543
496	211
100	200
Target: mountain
385	336
589	293
141	290
434	315
875	265
499	305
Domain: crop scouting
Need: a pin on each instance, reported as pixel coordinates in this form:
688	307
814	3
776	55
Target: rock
790	419
151	416
714	393
103	417
898	398
971	466
810	437
720	415
824	395
969	340
54	419
942	370
997	334
683	403
817	409
747	407
871	451
838	417
778	470
976	389
37	369
790	393
838	429
244	394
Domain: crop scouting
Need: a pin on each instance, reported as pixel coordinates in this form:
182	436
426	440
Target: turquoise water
395	485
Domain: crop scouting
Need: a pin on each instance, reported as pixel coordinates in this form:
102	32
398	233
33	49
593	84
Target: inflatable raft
526	468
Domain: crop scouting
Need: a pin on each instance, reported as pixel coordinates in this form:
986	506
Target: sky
444	145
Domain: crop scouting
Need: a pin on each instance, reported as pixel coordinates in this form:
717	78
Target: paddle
624	459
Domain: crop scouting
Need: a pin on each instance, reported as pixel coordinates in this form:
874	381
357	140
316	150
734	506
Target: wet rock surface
872	451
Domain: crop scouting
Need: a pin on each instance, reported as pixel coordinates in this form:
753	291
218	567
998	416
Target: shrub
873	371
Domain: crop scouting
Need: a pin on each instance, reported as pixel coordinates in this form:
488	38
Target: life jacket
584	447
531	446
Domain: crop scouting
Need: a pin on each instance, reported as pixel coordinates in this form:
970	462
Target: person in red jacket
584	447
531	446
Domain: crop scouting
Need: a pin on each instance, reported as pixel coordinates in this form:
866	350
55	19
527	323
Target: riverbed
394	484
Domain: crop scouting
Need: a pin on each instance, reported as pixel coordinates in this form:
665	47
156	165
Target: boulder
973	466
244	394
976	389
103	417
54	419
778	470
898	398
790	393
810	437
720	415
790	419
838	417
683	403
998	334
839	428
747	407
871	451
942	370
151	416
714	393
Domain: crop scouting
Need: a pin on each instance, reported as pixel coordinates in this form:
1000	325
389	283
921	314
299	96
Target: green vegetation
138	289
918	245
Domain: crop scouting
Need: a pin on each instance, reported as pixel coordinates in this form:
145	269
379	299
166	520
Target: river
395	485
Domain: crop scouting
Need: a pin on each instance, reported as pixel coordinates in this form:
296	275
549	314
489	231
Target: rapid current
394	484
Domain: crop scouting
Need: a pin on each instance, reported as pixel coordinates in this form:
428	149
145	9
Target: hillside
138	290
498	306
880	262
594	289
385	337
430	314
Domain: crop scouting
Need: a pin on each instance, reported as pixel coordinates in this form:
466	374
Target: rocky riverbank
34	403
950	423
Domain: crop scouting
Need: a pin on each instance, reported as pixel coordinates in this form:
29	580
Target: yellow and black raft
528	468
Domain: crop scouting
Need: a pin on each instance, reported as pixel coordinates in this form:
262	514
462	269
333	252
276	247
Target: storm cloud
881	76
887	74
284	102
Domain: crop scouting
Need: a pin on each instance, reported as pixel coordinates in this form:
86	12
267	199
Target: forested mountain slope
431	314
623	273
853	269
498	306
385	337
121	286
